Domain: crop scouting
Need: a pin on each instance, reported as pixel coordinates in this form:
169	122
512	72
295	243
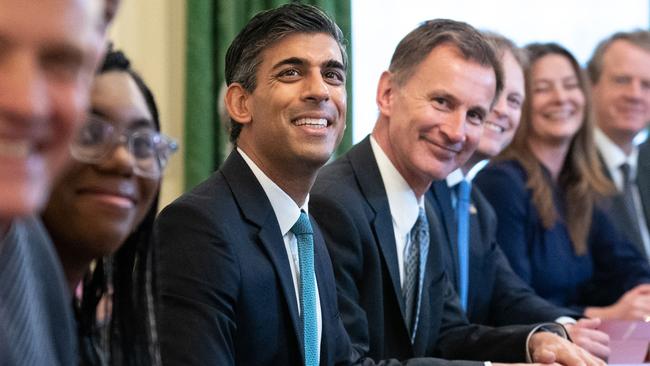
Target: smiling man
244	274
384	238
620	74
48	52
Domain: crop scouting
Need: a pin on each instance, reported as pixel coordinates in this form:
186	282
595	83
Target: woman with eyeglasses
100	217
544	187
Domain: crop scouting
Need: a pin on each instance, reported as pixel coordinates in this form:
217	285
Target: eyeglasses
150	149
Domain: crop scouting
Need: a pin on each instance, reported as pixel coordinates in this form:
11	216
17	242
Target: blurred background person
620	74
100	215
46	66
543	189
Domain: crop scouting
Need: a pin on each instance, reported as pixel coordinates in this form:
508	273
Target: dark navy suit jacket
349	201
615	205
545	258
227	294
496	296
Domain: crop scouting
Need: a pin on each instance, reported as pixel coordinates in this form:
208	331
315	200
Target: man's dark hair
265	29
417	45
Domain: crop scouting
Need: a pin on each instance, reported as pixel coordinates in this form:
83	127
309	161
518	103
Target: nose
23	87
559	93
316	89
118	161
500	108
454	128
633	90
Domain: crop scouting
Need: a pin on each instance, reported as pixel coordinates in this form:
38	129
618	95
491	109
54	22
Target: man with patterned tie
620	74
243	272
394	296
48	52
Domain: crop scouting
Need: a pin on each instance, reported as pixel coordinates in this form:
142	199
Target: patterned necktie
628	198
462	219
414	271
305	237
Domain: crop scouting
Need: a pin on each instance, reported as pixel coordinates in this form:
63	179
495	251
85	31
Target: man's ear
385	92
237	103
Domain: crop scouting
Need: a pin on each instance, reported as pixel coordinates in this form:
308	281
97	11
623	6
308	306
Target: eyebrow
297	61
134	124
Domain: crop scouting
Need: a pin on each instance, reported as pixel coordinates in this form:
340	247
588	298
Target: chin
21	202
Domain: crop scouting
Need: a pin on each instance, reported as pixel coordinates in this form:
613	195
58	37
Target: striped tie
415	255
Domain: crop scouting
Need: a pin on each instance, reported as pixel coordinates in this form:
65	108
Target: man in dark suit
493	293
394	295
235	252
620	73
48	53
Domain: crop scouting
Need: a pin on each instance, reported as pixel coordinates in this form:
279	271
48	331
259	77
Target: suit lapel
475	237
442	196
256	208
643	179
325	296
366	170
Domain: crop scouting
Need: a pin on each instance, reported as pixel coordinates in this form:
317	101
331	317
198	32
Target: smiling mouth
443	147
494	127
561	114
312	122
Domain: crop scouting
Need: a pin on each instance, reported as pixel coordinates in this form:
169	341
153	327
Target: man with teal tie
245	278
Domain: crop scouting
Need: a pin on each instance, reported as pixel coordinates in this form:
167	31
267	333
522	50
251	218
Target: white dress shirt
402	199
614	157
287	213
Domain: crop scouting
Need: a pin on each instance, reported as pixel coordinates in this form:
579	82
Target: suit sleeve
512	300
342	230
618	265
197	279
506	192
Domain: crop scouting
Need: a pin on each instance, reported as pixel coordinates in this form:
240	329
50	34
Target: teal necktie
462	216
305	237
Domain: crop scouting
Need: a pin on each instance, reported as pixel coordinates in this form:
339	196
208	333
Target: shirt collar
613	155
286	210
401	197
455	177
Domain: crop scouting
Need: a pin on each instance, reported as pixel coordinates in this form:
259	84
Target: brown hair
419	43
639	38
581	178
502	45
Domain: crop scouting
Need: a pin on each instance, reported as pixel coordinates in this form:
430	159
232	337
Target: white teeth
311	122
493	127
560	114
14	149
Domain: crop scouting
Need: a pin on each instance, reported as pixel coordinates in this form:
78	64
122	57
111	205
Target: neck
624	141
418	183
296	180
551	156
476	158
74	267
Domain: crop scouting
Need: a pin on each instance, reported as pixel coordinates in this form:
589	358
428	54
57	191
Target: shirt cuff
544	327
564	320
487	363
